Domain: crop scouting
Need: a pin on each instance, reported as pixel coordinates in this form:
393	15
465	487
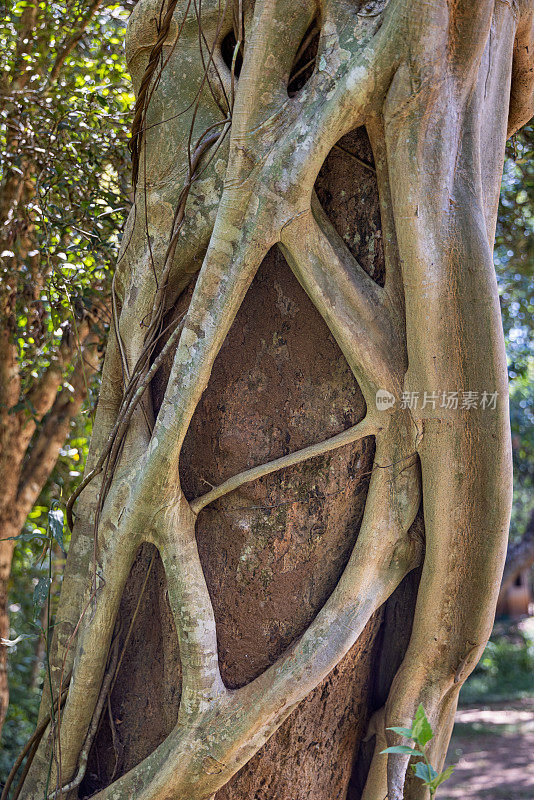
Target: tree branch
353	306
43	393
522	90
9	370
25	36
67	46
192	611
445	137
42	396
54	431
367	427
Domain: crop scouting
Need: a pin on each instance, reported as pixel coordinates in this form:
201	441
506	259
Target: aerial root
86	749
367	427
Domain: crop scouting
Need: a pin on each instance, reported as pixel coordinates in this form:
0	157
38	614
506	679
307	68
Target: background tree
213	768
514	260
61	198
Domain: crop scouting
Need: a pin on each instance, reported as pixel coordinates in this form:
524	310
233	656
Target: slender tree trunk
28	453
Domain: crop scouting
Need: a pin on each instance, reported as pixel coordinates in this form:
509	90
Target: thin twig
132	621
360	161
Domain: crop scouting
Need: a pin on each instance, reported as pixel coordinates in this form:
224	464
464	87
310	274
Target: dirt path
493	748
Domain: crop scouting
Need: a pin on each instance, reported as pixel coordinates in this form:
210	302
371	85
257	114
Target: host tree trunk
307	362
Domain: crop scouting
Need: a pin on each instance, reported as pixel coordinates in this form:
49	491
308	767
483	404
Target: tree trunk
273	474
273	551
29	449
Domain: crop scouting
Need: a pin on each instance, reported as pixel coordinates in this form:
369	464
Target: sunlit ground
493	746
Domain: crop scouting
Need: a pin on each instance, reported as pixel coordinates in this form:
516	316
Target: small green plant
420	733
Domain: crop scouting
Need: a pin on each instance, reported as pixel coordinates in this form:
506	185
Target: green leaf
421	729
439	779
25	537
40	593
402	750
425	772
56	523
402	731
